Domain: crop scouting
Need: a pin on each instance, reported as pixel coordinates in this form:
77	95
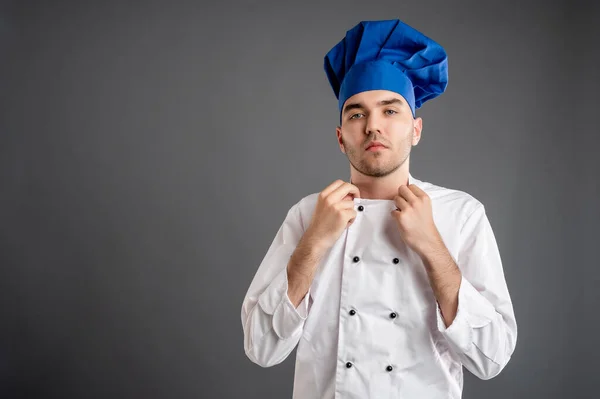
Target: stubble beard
372	169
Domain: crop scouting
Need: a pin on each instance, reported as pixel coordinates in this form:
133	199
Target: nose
373	125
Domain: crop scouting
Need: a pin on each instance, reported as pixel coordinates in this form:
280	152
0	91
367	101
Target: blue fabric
387	55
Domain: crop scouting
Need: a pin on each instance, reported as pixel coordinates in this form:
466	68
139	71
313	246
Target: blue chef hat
387	55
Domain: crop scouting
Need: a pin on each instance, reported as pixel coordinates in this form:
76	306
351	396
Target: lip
375	146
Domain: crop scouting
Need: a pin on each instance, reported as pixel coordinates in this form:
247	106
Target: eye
355	116
390	112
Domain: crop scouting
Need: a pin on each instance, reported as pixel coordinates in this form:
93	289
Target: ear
417	129
338	133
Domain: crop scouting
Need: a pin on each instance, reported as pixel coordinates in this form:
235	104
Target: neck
385	187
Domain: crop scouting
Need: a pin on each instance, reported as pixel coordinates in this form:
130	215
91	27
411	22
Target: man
386	284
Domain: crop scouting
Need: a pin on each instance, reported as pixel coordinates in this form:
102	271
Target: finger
401	203
417	190
344	204
344	190
349	215
407	194
347	198
330	188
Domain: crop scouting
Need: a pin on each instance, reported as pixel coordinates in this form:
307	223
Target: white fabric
425	356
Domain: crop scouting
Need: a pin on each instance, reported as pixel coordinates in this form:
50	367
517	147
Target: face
377	116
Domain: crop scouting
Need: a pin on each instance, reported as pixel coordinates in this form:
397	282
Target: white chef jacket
370	326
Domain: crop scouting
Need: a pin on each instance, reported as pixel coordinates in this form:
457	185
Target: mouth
376	147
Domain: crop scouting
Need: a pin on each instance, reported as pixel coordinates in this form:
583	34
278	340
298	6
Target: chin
376	172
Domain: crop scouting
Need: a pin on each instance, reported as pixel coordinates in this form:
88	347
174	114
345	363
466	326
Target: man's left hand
415	219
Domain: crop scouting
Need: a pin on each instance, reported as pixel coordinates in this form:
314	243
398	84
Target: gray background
149	152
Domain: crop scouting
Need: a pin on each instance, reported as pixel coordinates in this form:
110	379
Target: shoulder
301	211
451	201
306	205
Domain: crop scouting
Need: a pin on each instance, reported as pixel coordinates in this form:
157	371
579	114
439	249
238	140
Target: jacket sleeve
484	331
272	325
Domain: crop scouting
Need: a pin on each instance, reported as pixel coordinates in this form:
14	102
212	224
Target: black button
389	368
393	315
348	365
356	259
352	312
396	260
361	208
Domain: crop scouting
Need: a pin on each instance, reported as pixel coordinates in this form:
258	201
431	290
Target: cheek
352	136
405	132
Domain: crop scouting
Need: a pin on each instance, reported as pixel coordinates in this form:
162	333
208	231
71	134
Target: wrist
430	252
313	246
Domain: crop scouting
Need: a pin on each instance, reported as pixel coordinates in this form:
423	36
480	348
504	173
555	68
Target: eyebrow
352	106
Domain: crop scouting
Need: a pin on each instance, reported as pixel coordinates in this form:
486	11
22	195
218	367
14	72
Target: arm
302	267
474	308
271	322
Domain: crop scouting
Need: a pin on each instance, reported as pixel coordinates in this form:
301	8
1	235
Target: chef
385	284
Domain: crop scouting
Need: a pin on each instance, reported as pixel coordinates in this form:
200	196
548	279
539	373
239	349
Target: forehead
372	97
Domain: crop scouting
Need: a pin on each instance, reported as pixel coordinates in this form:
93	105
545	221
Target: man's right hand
333	213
